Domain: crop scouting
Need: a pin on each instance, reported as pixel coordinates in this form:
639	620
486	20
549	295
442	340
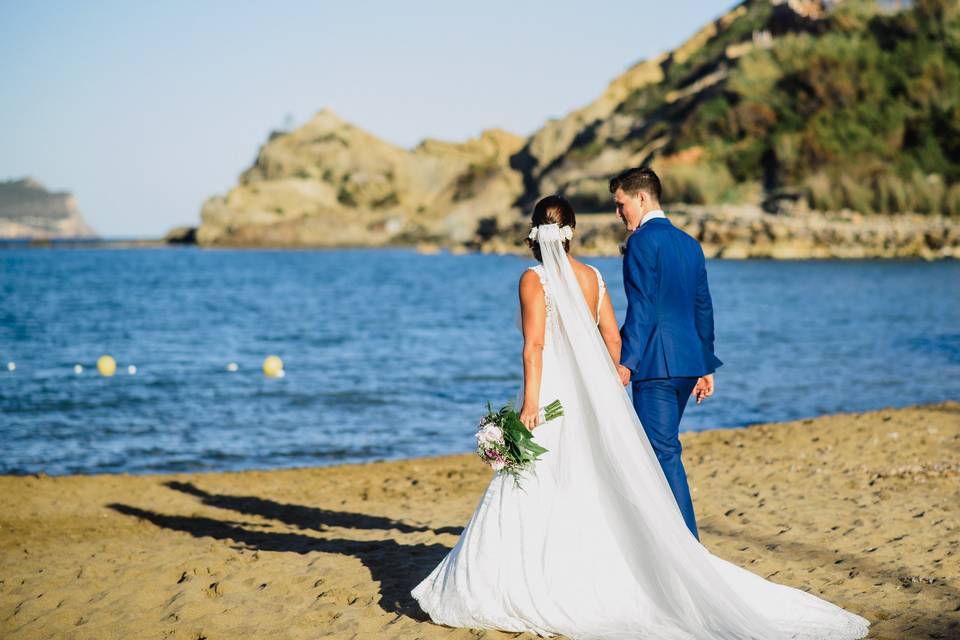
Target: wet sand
862	509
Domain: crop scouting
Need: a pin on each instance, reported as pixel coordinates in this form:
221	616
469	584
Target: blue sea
391	354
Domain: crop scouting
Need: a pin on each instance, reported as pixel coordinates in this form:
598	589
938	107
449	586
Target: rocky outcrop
181	235
329	183
738	232
28	210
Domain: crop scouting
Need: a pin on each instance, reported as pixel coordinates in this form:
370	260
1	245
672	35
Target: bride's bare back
533	310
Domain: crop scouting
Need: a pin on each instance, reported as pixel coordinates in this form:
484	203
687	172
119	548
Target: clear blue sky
143	109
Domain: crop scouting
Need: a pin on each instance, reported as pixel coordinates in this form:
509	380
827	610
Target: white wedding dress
592	544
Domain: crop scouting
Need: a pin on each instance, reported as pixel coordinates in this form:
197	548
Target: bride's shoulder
532	279
582	267
533	272
590	267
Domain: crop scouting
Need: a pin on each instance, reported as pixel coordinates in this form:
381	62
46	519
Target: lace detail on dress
551	313
551	306
600	291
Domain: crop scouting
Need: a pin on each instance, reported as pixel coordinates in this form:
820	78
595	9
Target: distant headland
29	211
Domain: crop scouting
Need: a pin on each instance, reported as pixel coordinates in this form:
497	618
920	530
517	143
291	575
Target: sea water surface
392	354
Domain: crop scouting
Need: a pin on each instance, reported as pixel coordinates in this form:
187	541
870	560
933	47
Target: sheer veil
604	456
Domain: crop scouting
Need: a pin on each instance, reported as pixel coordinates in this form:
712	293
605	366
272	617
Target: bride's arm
609	329
533	311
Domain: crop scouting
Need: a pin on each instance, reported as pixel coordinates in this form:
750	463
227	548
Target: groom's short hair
637	179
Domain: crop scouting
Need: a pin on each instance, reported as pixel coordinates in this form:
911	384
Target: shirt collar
650	215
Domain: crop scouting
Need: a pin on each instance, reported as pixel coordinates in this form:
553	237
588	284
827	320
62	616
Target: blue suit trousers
659	404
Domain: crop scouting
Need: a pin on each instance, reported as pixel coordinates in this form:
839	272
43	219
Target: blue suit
667	339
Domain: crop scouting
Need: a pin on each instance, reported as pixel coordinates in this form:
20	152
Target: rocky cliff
28	210
329	183
763	120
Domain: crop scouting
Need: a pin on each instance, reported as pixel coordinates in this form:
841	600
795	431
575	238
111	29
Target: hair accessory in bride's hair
566	232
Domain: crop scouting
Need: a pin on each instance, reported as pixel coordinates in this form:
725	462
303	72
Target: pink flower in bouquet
498	464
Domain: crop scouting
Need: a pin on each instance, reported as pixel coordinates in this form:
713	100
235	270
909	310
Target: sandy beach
862	509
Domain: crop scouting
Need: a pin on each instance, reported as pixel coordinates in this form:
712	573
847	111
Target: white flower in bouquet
505	443
489	433
494	434
482	429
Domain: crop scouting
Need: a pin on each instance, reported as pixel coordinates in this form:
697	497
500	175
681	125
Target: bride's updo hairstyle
551	210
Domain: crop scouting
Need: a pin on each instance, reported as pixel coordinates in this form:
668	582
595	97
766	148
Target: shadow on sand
397	567
298	515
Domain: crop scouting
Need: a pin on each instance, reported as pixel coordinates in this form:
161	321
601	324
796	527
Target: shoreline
444	456
429	249
862	509
735	232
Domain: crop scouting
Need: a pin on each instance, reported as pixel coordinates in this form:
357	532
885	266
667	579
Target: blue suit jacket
668	330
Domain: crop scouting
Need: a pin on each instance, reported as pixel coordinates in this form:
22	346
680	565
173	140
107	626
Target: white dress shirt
650	215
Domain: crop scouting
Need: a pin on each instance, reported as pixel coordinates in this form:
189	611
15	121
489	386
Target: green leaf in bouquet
535	449
519	447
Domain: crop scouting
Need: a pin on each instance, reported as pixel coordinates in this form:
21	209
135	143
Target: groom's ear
643	199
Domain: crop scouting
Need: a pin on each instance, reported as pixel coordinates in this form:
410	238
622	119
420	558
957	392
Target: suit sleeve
704	317
640	282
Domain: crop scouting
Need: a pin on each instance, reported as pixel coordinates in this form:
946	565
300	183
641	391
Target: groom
668	333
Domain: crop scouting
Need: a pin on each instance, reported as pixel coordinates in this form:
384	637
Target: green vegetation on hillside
860	109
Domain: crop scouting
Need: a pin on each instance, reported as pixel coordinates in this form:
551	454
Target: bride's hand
529	416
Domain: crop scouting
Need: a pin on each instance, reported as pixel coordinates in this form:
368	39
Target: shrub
929	192
951	201
707	183
891	194
820	195
786	153
756	75
389	200
346	198
855	195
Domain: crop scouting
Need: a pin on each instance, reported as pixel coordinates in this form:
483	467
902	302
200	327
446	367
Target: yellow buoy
106	365
273	367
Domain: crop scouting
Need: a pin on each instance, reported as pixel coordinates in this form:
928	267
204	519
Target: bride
592	543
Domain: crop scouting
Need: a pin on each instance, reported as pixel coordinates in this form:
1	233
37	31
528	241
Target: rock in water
181	235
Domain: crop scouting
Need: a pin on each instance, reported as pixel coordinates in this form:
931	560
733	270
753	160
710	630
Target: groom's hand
624	374
703	388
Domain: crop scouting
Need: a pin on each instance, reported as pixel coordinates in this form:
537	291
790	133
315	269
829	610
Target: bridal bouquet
504	443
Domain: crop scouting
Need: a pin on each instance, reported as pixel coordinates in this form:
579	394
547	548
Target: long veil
605	455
